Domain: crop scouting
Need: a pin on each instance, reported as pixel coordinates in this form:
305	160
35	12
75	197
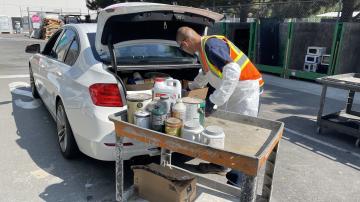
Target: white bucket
213	136
191	131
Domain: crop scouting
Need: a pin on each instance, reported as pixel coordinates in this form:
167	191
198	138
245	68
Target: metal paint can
195	109
136	102
173	126
142	119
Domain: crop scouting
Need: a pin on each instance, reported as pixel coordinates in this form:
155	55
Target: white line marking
352	165
326	155
321	142
305	146
14	76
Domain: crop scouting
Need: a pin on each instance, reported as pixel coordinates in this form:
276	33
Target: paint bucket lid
142	113
138	97
214	130
173	121
192	100
191	125
164	97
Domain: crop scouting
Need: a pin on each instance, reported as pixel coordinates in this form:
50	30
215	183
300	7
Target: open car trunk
138	21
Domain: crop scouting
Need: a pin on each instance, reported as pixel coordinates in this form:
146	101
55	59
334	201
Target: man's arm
231	75
200	81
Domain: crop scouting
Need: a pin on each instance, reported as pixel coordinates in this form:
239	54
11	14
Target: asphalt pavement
310	167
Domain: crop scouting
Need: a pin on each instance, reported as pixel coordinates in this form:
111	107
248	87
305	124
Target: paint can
142	119
191	131
173	126
136	102
195	109
213	136
158	117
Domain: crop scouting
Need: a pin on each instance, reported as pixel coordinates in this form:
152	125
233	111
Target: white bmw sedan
80	74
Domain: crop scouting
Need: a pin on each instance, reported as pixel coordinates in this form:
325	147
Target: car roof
84	27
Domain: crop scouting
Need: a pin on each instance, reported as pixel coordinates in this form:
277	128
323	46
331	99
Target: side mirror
34	48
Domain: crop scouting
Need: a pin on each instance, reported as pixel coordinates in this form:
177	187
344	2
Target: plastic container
179	110
158	117
191	131
213	136
170	87
142	119
135	102
173	126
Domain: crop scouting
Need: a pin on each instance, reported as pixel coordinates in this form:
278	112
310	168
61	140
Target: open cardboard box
156	183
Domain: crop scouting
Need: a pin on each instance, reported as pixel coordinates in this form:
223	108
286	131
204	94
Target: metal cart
250	144
346	121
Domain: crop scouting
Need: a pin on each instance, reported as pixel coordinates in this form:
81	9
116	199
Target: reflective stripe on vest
248	70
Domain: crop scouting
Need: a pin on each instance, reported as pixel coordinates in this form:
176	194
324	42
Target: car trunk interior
127	76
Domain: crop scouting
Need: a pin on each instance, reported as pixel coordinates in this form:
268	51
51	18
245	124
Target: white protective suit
231	95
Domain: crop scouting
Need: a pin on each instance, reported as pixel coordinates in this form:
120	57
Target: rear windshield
146	53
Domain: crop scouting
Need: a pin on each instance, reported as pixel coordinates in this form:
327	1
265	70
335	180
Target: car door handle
58	73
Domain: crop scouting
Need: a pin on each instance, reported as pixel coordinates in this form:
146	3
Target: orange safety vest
248	69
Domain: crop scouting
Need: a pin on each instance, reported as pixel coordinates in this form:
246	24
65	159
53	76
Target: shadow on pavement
70	180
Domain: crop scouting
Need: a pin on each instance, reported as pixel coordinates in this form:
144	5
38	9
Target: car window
63	44
152	53
50	44
72	53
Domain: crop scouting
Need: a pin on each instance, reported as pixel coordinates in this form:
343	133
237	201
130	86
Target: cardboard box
156	183
198	93
138	87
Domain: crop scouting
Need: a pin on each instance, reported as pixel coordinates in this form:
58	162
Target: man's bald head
189	37
185	33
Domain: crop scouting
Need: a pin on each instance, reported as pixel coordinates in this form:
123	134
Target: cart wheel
357	143
318	130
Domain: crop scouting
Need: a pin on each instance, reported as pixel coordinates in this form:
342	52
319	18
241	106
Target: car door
58	66
41	63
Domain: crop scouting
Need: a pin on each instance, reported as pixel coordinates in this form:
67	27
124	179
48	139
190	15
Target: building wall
17	8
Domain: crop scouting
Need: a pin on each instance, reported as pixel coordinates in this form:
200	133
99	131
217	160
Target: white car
79	74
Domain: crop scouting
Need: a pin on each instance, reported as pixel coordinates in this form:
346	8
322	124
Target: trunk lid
134	21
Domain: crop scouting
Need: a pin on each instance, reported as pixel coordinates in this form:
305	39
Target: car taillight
106	95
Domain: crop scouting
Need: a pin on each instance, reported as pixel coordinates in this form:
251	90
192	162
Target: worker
236	81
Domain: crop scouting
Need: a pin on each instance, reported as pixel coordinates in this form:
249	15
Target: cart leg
350	101
248	188
322	104
165	157
269	174
119	169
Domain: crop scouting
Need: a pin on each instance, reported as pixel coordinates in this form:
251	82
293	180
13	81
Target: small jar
173	126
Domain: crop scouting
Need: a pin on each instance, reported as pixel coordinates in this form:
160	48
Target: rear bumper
95	136
100	151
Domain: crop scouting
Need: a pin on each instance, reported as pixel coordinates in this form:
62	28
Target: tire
66	140
34	91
